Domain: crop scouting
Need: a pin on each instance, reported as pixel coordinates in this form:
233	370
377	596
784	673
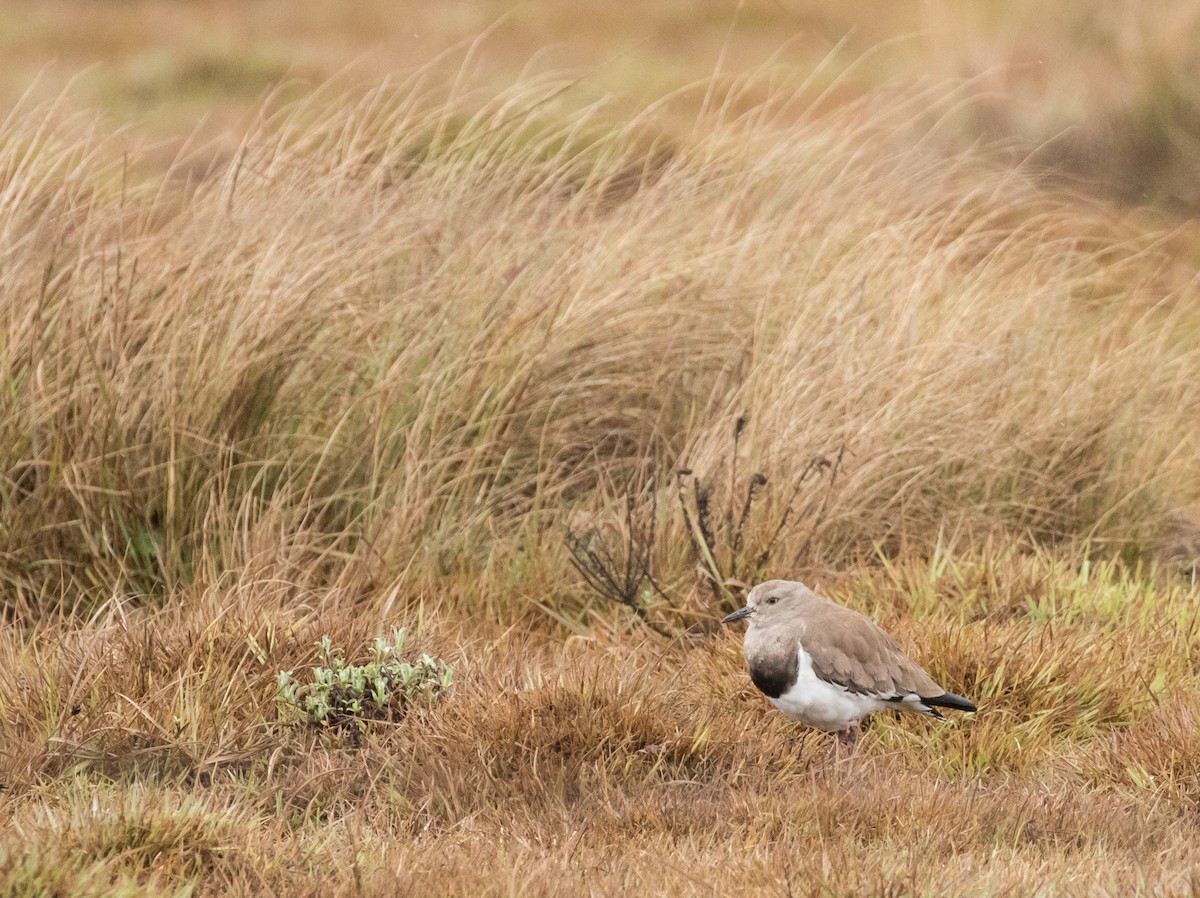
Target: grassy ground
373	364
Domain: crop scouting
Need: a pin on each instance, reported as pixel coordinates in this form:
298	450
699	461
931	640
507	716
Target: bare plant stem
719	551
621	578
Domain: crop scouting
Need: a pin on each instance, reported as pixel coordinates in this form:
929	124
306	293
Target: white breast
822	705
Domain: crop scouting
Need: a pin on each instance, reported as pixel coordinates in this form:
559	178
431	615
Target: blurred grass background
1105	94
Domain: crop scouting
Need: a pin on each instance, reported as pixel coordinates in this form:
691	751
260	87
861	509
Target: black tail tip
950	700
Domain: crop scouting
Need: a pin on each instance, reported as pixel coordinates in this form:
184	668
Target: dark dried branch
738	427
720	551
620	577
757	481
819	519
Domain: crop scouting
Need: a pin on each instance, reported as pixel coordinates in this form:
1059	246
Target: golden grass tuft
408	329
366	373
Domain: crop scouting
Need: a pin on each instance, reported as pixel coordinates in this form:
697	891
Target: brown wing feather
850	650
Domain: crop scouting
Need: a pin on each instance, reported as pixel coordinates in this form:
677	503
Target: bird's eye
772	600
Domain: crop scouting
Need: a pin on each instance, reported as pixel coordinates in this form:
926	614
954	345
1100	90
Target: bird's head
772	602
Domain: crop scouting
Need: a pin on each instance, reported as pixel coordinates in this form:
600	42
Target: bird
828	666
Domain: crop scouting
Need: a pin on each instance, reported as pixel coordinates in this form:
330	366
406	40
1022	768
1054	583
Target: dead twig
722	554
622	576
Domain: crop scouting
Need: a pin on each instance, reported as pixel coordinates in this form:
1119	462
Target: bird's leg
845	739
851	737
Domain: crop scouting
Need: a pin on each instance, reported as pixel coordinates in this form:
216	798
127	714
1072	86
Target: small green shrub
346	696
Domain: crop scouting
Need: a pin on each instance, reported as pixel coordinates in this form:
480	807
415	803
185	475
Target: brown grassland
354	358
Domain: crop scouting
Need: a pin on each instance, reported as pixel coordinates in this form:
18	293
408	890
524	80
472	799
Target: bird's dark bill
740	614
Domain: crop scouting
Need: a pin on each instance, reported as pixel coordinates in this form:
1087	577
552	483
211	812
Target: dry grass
369	371
602	765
